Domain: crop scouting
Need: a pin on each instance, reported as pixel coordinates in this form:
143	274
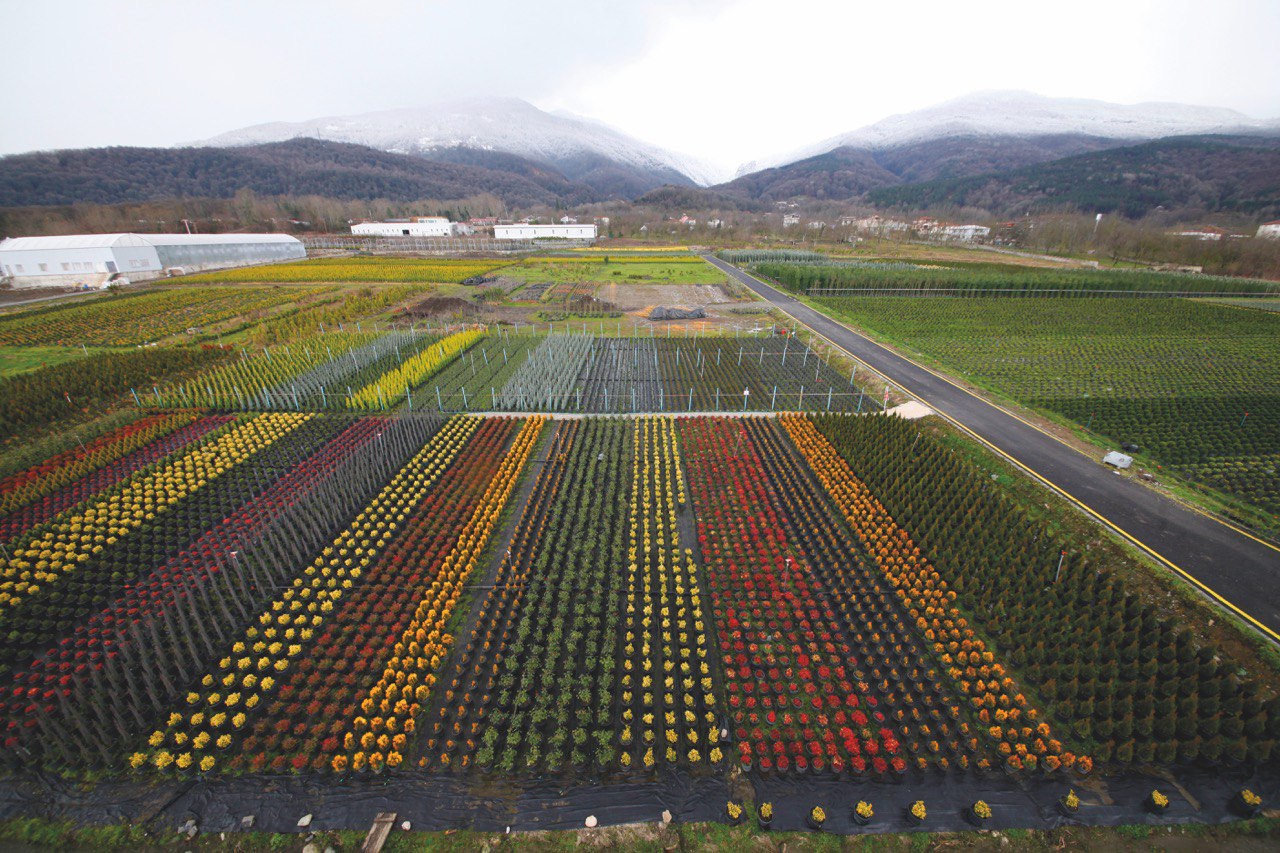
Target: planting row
1196	389
282	593
140	318
1125	683
575	373
802	273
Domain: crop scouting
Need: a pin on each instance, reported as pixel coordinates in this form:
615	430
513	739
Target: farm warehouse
93	258
521	231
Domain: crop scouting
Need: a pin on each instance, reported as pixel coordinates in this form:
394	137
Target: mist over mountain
580	149
298	167
997	140
1025	115
991	150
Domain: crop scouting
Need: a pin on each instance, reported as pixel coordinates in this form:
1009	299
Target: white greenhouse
92	260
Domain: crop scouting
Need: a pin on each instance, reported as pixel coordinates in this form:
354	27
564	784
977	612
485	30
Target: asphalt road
1236	570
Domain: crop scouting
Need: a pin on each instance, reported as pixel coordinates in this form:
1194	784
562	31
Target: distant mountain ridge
938	156
1004	151
849	172
297	167
581	149
1005	114
1236	174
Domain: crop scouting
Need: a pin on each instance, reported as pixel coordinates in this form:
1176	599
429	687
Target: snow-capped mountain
1026	115
573	145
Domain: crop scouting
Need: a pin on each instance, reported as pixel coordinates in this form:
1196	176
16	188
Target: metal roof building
94	259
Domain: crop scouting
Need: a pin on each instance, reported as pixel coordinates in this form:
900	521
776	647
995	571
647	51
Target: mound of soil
442	306
661	313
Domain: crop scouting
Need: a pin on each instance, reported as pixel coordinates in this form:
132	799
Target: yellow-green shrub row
246	382
76	535
395	384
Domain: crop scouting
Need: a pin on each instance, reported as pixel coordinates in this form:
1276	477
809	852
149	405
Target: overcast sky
724	80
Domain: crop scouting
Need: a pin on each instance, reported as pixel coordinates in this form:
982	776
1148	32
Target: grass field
411	270
15	360
1176	377
672	269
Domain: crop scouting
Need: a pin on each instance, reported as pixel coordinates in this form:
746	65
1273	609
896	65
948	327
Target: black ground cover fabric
439	802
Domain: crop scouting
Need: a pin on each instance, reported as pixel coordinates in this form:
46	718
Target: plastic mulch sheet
438	802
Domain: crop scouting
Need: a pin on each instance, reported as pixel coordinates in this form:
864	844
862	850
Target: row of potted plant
552	703
477	665
1119	674
910	701
245	381
795	705
44	490
394	386
158	600
1244	802
41	558
217	710
1022	738
390	708
666	690
301	725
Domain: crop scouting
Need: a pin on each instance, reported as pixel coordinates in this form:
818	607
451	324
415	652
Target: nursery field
132	319
374	269
465	368
813	275
471	600
1195	385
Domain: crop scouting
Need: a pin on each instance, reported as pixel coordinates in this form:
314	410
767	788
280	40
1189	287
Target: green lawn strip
617	270
14	360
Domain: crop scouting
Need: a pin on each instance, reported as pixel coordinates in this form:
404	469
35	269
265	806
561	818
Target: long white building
418	226
93	259
524	231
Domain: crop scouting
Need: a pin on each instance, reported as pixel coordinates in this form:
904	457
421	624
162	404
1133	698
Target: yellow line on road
1044	432
1196	582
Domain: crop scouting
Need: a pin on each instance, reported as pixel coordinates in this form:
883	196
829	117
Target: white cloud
760	77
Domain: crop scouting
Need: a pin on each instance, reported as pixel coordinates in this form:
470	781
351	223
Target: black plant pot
1240	807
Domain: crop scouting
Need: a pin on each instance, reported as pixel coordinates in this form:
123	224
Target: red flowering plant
785	663
40	493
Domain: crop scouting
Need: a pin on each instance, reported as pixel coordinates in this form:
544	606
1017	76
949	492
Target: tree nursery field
355	269
344	561
682	603
1195	385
